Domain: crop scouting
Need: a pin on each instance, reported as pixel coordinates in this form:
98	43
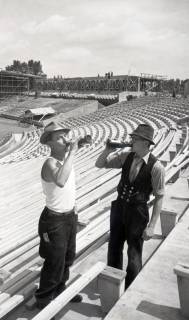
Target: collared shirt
135	167
117	159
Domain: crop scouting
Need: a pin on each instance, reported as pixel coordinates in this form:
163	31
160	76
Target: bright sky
91	37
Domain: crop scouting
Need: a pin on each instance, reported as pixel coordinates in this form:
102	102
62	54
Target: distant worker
174	93
58	221
129	218
37	94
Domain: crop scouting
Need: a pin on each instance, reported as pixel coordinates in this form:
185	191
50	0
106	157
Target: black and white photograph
94	160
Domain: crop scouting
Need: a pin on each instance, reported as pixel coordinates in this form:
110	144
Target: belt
133	198
60	214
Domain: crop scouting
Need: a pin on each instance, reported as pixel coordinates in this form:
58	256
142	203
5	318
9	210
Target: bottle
85	140
118	144
82	141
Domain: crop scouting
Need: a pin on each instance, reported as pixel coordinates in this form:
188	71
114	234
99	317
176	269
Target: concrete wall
136	94
123	95
87	108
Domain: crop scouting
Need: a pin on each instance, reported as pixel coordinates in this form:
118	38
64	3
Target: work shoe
41	305
77	298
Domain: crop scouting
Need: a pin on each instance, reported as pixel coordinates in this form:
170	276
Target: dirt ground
17	106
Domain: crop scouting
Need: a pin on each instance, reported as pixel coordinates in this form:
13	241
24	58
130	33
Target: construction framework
13	83
148	82
17	83
113	84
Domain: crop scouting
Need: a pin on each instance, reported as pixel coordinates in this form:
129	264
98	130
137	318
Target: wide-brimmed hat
52	127
144	131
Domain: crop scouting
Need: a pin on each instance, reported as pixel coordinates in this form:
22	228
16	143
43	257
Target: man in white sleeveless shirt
58	221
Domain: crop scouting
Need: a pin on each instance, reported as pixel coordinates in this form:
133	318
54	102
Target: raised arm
51	172
111	158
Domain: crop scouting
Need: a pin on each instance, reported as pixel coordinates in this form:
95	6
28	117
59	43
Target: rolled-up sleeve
158	179
116	159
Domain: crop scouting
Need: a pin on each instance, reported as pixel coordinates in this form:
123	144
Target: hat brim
45	135
140	135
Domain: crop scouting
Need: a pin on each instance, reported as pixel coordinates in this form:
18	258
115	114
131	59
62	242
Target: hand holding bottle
113	144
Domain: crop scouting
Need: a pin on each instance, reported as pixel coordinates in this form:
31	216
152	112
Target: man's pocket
45	246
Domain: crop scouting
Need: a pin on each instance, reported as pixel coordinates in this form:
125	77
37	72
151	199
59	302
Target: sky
90	37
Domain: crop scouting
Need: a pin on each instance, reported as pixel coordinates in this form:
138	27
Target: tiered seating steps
95	217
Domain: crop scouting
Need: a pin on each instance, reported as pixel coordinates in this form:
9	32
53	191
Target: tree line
32	67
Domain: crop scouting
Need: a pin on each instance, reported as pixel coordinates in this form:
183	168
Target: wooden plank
57	304
4	275
16	166
16	299
158	298
14	254
88	237
32	303
101	180
95	210
94	195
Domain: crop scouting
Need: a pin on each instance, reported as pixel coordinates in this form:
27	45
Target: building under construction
17	83
108	84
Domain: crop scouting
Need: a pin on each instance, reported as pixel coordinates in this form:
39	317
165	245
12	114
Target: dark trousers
57	246
127	223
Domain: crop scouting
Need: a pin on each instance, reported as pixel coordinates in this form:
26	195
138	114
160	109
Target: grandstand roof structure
40	111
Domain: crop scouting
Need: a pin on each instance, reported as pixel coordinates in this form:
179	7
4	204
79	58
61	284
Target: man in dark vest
142	174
